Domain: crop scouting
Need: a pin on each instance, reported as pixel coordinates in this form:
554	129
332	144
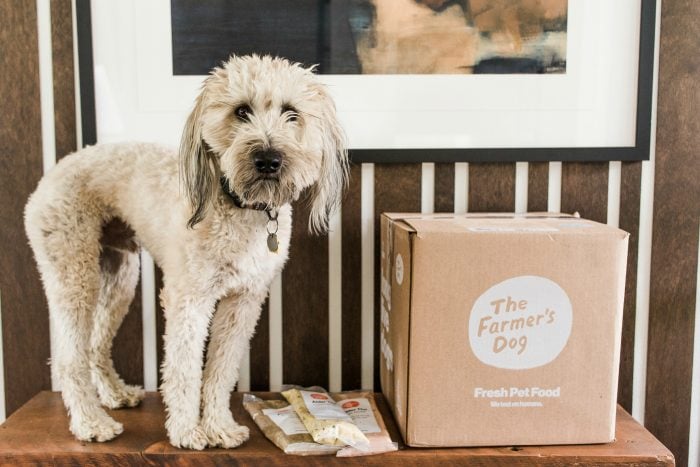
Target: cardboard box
501	329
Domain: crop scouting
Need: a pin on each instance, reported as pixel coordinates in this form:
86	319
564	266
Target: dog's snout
268	161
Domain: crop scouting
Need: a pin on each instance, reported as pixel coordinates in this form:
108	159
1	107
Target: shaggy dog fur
90	214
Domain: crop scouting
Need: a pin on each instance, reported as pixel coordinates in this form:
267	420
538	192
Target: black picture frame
638	152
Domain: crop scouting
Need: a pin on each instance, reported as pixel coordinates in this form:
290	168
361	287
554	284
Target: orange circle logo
319	396
351	404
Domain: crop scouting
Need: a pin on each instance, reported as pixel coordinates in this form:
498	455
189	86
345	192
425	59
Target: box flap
554	224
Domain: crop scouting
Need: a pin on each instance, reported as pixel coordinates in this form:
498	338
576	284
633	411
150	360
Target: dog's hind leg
119	267
65	240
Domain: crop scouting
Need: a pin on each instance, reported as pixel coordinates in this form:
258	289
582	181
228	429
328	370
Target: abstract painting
459	36
375	36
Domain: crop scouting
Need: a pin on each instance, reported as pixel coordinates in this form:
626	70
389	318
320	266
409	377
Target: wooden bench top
38	434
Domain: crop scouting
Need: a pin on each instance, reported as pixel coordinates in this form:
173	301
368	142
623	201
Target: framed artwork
413	80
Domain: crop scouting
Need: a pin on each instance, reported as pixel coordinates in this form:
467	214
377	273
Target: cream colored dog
216	218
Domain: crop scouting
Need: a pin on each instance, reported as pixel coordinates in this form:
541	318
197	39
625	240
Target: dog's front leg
231	330
186	327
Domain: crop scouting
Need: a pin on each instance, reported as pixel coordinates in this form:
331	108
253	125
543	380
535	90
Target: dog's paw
230	436
194	438
124	396
98	428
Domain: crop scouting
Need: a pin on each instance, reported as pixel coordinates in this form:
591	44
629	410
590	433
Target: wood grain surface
38	433
492	187
537	186
305	305
352	282
444	187
25	318
63	76
397	188
160	322
675	233
127	350
584	189
260	352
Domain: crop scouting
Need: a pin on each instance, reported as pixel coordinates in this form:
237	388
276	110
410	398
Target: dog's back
87	255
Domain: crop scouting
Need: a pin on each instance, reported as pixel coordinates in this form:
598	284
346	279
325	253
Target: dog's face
269	127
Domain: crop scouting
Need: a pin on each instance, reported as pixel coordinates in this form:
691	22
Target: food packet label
288	421
360	411
322	406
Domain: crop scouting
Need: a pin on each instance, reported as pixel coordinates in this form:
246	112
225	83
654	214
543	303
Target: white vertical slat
243	384
554	187
367	312
3	412
148	320
427	188
694	433
614	185
48	124
641	325
646	214
335	290
275	310
461	187
521	180
76	80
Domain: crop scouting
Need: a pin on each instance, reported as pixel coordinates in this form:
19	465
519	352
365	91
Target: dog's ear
327	192
197	173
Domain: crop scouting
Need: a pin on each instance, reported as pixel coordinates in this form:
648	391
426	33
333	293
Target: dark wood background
25	329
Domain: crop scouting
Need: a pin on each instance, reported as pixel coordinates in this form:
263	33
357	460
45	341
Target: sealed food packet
362	409
327	423
281	425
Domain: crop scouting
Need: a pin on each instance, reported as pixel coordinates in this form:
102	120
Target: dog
215	216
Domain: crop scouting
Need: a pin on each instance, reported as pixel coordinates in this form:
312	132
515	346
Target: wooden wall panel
25	319
352	282
63	76
492	187
675	232
160	322
444	187
397	188
305	305
629	221
537	186
584	189
260	352
127	350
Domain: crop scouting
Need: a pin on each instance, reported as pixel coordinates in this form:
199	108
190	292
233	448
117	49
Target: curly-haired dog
217	219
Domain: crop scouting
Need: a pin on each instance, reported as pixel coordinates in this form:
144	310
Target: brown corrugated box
501	329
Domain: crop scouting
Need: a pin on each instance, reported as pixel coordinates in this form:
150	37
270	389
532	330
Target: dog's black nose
267	161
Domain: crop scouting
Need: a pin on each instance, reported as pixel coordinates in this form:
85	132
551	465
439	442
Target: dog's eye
291	112
243	112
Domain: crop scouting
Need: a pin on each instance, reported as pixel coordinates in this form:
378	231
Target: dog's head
270	128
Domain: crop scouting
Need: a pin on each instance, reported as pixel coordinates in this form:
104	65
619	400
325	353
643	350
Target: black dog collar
272	226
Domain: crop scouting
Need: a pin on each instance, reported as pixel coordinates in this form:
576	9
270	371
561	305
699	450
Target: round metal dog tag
272	242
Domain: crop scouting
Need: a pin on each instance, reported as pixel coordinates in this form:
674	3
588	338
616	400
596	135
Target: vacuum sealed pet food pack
281	424
327	422
519	319
362	409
